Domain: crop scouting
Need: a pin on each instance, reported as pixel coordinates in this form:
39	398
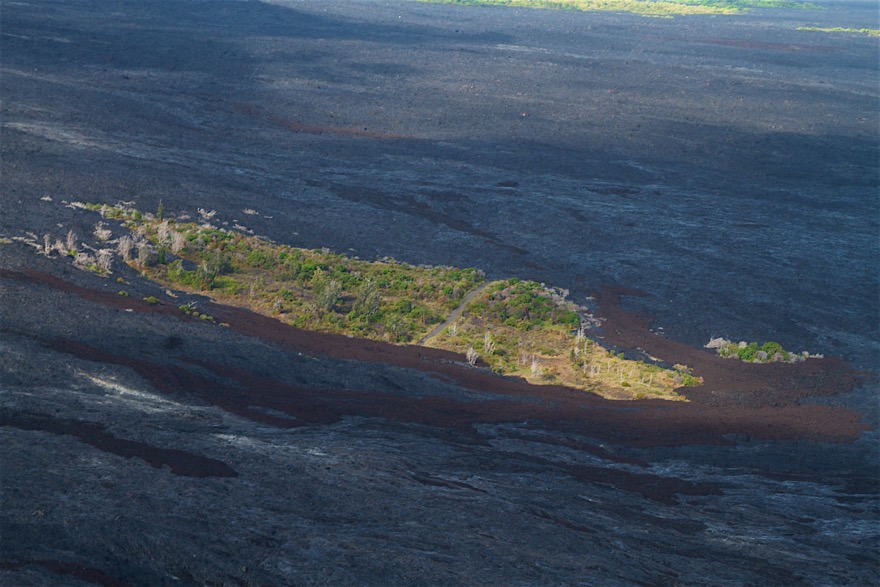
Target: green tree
368	301
327	294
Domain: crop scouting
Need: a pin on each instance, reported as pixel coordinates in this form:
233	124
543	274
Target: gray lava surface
725	166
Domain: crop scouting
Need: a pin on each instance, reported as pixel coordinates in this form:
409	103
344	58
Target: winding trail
455	313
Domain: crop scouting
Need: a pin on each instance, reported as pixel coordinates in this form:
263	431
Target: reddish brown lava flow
274	402
102	297
727	382
181	462
716	413
87	574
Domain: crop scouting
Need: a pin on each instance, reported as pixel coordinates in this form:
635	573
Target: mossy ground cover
869	32
517	328
645	7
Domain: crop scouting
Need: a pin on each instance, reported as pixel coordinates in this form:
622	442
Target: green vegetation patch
869	32
528	330
314	289
753	352
645	7
518	328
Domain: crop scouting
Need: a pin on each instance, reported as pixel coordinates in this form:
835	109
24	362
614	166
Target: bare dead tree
102	233
471	356
163	232
124	247
581	334
206	215
536	367
488	343
104	260
71	241
178	242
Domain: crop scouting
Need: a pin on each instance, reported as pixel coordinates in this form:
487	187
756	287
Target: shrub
748	352
368	301
227	285
178	274
327	294
771	348
258	259
145	255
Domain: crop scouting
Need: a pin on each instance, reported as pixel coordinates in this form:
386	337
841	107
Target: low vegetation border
869	32
665	8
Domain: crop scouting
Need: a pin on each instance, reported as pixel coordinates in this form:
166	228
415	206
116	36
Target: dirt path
455	314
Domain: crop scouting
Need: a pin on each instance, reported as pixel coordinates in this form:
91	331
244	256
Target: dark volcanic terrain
725	169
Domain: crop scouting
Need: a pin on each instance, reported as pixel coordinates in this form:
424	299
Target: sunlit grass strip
527	330
648	8
644	7
869	32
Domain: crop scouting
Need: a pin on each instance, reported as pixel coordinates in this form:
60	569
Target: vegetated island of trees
515	327
752	352
644	7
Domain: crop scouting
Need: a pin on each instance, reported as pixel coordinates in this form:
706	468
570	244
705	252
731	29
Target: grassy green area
526	329
518	328
645	7
869	32
313	289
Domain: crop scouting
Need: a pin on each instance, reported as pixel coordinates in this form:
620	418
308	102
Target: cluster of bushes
315	289
190	310
768	352
525	305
